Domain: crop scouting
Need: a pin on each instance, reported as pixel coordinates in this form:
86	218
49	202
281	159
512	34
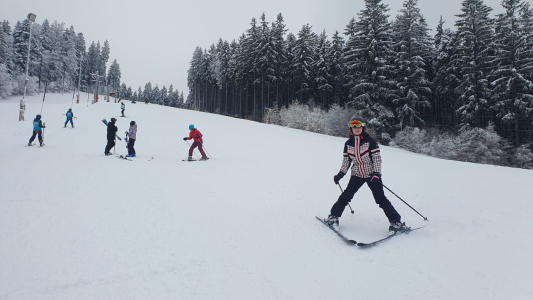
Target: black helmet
70	109
357	122
113	120
132	123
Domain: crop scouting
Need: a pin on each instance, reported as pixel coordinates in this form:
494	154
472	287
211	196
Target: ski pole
348	202
115	144
192	150
205	149
425	219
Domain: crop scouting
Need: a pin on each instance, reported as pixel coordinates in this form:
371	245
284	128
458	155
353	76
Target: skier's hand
338	177
184	138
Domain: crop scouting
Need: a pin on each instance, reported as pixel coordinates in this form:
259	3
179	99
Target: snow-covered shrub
295	116
411	138
442	145
18	85
315	120
336	120
523	157
481	146
6	85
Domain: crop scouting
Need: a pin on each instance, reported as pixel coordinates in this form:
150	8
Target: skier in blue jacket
37	130
69	115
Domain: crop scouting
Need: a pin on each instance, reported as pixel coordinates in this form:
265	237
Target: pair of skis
352	242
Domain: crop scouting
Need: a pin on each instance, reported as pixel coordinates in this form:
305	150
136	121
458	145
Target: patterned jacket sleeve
346	160
376	157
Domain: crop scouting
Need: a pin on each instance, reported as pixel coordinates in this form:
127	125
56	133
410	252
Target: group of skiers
361	151
131	137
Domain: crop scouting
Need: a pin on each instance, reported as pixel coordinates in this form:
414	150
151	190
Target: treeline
59	57
392	71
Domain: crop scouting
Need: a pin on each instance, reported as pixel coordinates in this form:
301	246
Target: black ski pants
38	134
377	190
131	150
110	144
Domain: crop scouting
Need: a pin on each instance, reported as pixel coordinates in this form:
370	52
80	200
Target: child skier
123	107
198	142
363	151
69	115
111	131
22	110
132	136
37	130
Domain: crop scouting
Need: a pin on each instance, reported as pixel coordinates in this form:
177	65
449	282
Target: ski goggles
357	124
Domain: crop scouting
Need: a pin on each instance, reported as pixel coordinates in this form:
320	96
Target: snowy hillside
75	224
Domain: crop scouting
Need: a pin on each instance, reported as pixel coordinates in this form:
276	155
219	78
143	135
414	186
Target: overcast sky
154	40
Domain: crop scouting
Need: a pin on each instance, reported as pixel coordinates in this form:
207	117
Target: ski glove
184	138
338	177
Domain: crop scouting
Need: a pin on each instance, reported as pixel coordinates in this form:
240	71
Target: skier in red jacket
198	142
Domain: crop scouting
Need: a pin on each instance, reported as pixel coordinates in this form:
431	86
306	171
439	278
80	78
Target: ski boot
396	227
204	158
29	144
190	158
333	222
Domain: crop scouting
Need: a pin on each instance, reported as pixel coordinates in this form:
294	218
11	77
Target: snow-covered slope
75	224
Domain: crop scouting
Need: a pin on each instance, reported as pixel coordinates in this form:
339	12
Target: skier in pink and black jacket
362	152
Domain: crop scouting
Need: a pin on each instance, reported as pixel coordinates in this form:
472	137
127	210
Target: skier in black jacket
111	132
362	151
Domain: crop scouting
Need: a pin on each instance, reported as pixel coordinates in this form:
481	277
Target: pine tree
369	60
412	43
323	67
304	56
475	31
337	68
514	64
447	79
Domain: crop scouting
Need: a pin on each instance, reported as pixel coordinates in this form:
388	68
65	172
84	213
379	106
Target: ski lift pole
44	96
425	219
348	202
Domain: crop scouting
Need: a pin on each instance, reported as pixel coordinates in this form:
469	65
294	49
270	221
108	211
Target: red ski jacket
196	135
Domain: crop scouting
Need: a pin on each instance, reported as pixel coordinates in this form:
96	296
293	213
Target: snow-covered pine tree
511	80
447	79
193	76
20	46
147	93
369	58
114	76
411	44
304	73
337	69
6	47
475	31
164	96
323	79
156	95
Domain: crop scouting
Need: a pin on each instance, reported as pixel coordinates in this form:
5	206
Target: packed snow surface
75	224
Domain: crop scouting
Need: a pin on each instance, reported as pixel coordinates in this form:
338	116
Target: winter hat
38	117
113	120
70	109
191	126
132	123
